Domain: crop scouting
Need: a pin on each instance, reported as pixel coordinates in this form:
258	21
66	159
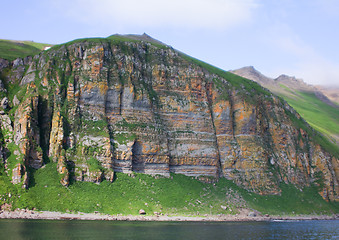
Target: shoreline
47	215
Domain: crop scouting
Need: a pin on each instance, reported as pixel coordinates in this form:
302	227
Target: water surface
73	229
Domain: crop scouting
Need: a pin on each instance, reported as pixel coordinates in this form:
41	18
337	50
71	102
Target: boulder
142	212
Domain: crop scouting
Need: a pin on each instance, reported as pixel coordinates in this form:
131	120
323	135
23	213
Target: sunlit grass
11	50
321	116
177	195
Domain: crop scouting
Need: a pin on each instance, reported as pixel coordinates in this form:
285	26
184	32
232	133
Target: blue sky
295	37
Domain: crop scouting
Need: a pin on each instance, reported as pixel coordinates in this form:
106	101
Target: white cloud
196	14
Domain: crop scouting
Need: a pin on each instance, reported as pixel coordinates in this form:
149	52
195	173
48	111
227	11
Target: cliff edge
99	106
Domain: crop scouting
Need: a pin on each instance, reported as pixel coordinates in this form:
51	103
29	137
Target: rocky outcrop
56	141
112	105
27	137
26	131
56	147
20	175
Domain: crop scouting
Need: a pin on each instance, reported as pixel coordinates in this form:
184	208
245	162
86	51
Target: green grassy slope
11	50
321	116
178	195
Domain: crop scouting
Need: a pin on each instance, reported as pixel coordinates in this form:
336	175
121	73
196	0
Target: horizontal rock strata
99	107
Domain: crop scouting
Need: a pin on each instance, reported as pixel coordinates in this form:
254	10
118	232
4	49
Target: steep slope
99	106
310	101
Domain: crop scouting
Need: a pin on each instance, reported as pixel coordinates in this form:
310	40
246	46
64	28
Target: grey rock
4	103
6	124
27	60
28	78
17	62
3	63
16	101
31	68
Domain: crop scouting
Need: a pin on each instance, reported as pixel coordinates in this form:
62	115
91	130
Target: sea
79	229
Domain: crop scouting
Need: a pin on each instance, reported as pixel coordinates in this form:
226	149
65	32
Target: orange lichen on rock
133	106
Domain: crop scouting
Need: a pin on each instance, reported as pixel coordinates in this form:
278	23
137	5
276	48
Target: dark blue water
46	229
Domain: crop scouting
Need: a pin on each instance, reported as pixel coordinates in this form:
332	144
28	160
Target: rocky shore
242	216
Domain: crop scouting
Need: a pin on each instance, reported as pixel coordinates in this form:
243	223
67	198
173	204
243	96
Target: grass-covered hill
83	122
11	50
320	115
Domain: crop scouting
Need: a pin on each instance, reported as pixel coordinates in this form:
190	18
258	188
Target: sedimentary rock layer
96	107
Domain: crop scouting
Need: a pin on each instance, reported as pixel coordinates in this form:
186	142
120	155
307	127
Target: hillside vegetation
124	123
321	116
11	50
310	102
178	195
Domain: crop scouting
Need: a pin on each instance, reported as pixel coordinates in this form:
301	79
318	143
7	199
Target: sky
295	37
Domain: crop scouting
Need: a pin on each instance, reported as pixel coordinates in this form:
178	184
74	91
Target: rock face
99	106
299	93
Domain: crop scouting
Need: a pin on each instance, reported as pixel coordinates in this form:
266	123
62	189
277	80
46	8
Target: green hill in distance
309	101
11	50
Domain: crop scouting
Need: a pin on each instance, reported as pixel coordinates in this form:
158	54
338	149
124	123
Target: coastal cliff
99	106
